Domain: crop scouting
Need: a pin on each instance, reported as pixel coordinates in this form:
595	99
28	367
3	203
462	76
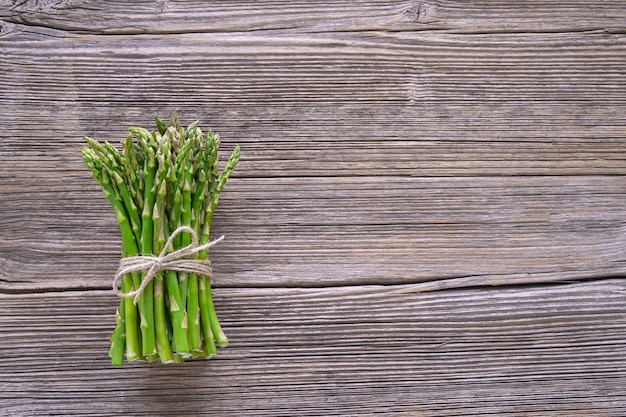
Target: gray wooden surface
429	217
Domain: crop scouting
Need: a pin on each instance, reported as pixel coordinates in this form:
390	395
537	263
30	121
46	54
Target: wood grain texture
164	16
552	351
394	154
509	171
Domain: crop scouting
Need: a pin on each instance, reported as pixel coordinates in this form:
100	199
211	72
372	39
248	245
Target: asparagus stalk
146	298
164	347
118	338
211	314
195	301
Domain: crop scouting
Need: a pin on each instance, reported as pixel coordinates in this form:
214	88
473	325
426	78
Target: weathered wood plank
347	68
281	17
345	231
550	351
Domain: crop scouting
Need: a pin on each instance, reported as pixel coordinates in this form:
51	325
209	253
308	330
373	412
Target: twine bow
177	260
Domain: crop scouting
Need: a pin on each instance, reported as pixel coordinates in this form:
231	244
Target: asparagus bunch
163	180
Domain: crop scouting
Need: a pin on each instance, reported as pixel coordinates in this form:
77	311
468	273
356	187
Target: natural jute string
177	260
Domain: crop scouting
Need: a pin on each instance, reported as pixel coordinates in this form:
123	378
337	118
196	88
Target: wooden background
429	216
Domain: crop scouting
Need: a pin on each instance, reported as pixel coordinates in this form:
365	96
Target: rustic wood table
429	216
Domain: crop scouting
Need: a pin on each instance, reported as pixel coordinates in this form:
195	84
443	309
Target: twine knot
178	260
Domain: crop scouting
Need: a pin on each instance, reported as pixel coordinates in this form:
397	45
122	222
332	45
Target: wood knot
160	6
6	28
420	13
